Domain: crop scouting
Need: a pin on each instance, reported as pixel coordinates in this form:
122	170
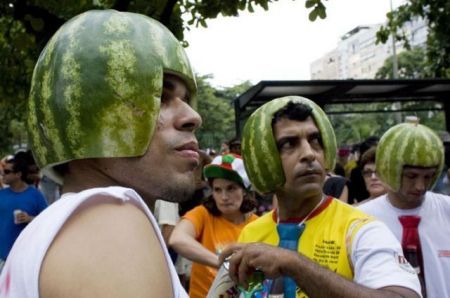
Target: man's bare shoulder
105	249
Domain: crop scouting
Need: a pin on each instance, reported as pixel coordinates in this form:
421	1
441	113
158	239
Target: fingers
228	251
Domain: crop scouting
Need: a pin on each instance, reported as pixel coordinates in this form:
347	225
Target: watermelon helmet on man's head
259	150
97	86
408	144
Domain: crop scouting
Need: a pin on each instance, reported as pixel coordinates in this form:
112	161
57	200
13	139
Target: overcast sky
278	44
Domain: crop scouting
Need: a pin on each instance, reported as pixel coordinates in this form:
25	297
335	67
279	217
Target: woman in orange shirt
205	230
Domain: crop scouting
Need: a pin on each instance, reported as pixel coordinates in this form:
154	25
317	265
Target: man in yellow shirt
317	245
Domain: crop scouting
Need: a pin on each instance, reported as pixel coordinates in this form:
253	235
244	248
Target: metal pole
397	105
394	51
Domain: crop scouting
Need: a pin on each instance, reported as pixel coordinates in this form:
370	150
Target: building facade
358	56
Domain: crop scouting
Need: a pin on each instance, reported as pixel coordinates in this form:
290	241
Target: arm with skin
106	249
166	231
314	279
183	242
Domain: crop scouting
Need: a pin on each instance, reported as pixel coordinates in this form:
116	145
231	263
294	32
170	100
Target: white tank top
20	276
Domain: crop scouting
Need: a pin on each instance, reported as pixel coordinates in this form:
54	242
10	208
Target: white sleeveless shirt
20	276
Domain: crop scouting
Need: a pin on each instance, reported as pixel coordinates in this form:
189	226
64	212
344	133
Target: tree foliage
217	111
412	64
27	25
437	14
354	126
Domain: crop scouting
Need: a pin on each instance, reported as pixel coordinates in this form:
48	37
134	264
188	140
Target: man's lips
310	172
189	150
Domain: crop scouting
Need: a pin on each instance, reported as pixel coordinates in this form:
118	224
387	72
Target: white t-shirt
20	276
166	213
434	233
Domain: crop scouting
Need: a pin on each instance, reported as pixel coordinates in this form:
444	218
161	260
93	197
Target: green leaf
310	3
322	12
250	7
313	15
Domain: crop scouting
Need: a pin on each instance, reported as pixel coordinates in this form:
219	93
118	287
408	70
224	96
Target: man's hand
23	217
244	259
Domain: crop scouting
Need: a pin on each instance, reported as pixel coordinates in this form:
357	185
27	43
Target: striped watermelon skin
97	85
261	156
408	144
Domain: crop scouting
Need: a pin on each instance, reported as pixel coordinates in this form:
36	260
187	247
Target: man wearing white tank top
111	118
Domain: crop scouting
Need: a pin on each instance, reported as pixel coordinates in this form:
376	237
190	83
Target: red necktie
411	245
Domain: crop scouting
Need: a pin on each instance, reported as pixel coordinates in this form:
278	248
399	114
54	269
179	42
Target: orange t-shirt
214	233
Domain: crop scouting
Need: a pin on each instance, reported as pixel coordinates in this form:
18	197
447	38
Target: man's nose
188	119
306	152
421	184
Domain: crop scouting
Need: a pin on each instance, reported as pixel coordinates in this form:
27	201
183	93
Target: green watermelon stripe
408	144
268	147
389	168
252	149
261	156
70	71
97	84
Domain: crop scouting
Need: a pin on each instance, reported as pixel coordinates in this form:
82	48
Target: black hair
367	144
19	165
368	156
293	111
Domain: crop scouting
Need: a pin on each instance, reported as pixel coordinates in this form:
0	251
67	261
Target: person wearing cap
204	231
418	217
111	117
317	245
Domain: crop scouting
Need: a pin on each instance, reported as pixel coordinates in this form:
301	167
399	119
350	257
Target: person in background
311	245
443	183
357	189
235	146
19	204
111	118
375	187
205	230
419	218
336	186
167	217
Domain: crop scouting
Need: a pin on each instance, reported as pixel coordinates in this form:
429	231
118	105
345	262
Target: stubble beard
177	191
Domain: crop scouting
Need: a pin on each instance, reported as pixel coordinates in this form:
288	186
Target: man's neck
18	186
399	202
82	175
296	207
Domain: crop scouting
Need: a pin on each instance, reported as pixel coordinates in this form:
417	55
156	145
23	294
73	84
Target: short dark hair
368	156
19	165
248	203
368	143
292	111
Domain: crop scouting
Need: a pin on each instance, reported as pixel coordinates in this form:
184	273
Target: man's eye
286	144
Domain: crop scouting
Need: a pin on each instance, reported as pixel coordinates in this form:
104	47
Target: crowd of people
140	211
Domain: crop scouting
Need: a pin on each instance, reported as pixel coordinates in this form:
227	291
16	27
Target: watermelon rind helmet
97	86
259	150
408	144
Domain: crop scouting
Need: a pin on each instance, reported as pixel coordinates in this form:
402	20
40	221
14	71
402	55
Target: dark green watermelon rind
261	157
408	144
97	85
